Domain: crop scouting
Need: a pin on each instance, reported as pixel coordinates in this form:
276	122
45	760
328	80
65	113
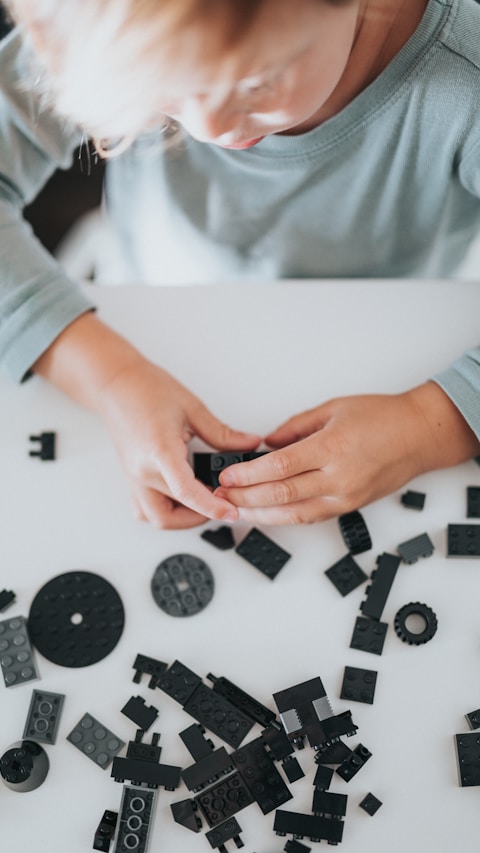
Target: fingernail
220	493
227	478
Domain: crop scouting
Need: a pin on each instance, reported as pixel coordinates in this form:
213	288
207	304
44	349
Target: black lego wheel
416	609
355	532
76	619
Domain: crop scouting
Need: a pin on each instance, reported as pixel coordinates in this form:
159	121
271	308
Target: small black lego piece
263	553
207	467
370	804
228	831
144	665
24	766
105	831
276	739
355	761
95	741
305	711
359	684
310	826
467	748
137	810
294	846
326	803
197	744
292	769
224	799
346	575
335	753
208	769
473	501
182	585
323	777
413	500
473	719
43	716
428	618
141	714
246	703
179	682
46	450
17	659
184	812
412	549
463	540
382	579
87	614
218	715
369	635
260	775
221	538
142	766
355	532
7	597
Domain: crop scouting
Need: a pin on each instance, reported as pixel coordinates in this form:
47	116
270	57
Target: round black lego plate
76	619
182	585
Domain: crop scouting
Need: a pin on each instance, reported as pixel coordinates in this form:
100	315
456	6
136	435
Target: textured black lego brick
355	761
292	769
277	741
370	804
144	665
463	540
467	747
227	831
473	501
411	550
263	553
381	583
329	803
105	831
218	715
346	575
184	812
413	500
308	826
369	635
146	773
224	799
299	694
336	753
246	703
261	776
323	777
179	682
197	744
141	714
207	769
359	684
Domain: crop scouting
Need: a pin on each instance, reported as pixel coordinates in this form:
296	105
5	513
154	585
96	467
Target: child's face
277	80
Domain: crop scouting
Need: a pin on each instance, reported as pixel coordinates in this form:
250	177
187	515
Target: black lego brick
137	810
197	744
370	804
359	685
141	714
463	540
246	703
228	831
323	777
473	501
224	799
277	741
335	753
381	583
467	747
308	826
7	597
369	635
142	751
262	553
294	846
328	803
179	682
346	575
221	538
146	773
218	715
412	549
208	769
261	776
46	442
413	500
144	665
184	812
292	769
207	467
473	719
355	761
105	831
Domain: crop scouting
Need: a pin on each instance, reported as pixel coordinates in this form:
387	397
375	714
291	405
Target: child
317	138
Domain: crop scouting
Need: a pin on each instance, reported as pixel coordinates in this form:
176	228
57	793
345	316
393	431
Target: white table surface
255	355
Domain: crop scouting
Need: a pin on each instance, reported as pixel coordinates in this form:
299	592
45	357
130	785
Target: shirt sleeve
37	299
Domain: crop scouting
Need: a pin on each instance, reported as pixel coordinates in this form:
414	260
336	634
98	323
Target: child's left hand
347	453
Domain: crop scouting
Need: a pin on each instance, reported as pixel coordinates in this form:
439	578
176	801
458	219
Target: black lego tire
355	532
415	608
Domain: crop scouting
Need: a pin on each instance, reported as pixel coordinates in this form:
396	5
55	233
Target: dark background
68	195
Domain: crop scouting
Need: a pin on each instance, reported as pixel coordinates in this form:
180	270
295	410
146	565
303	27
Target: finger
298	427
278	465
302	512
185	489
217	434
279	493
163	512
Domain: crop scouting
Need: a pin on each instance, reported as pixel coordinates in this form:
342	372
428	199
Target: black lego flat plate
76	619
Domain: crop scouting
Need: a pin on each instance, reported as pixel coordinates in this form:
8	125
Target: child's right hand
151	418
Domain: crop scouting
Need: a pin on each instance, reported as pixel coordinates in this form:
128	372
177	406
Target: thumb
219	435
